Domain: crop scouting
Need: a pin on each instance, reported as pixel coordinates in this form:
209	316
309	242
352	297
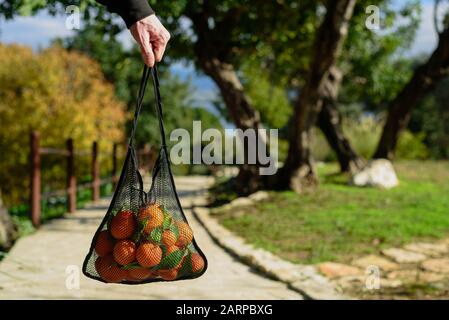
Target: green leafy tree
374	68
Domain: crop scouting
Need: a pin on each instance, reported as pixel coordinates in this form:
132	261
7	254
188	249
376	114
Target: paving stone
406	275
259	196
390	283
436	265
239	202
403	256
319	289
360	283
245	201
416	276
429	249
425	276
375	260
350	282
335	270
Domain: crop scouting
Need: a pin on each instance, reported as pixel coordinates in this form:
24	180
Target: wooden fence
36	151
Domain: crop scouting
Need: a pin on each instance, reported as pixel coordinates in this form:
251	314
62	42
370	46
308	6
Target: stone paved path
35	267
416	270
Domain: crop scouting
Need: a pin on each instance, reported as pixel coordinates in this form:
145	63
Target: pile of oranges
146	245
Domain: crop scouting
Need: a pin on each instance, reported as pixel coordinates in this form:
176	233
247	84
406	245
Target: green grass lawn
339	222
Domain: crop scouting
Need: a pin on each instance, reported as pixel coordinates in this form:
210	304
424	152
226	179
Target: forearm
130	10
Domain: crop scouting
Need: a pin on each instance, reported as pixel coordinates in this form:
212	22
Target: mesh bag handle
140	96
157	95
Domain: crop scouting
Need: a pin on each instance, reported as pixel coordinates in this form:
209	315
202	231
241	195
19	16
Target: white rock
378	173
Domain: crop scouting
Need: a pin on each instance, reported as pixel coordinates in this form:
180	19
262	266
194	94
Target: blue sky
38	31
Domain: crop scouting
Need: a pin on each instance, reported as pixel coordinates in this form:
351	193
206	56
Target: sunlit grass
338	221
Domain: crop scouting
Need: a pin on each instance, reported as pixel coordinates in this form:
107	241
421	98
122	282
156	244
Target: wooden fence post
71	178
114	165
35	189
95	173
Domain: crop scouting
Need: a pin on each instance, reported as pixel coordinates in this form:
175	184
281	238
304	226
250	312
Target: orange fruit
104	244
185	234
108	270
168	238
124	252
140	274
152	215
123	225
148	254
168	274
197	262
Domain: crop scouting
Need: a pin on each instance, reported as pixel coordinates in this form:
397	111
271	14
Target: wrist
136	10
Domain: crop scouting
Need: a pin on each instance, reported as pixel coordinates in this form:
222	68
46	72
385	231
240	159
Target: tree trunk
243	114
424	79
329	121
299	170
213	51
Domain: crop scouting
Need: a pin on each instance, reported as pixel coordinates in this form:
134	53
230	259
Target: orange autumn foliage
62	95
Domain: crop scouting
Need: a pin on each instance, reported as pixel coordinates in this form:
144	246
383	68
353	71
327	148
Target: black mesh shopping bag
144	236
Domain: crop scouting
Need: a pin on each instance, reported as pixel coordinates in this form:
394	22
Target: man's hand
152	38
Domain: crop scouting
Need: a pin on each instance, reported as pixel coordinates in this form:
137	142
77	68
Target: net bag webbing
144	236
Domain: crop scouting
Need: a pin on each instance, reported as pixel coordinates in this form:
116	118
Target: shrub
411	146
